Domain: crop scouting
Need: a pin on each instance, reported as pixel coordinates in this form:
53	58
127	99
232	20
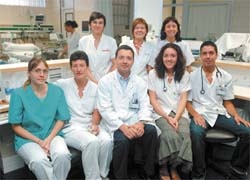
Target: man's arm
198	119
105	106
232	111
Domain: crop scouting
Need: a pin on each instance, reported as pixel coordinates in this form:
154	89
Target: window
30	3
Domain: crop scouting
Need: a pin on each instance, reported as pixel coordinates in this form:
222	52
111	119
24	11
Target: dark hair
97	15
78	55
166	21
125	47
139	21
73	24
179	68
209	43
33	63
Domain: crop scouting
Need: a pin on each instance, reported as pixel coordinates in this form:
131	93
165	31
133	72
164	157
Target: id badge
220	91
134	103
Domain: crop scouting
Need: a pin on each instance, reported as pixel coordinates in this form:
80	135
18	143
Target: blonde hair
33	63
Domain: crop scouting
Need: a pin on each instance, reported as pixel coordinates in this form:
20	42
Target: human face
97	26
140	31
208	56
171	29
68	28
170	58
39	74
79	69
124	62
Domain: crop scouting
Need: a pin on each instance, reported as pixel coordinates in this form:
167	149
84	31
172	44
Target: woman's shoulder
86	37
182	43
54	88
108	38
19	91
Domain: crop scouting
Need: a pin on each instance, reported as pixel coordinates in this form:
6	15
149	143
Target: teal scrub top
35	115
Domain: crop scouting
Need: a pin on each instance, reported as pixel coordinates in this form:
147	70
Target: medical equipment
218	73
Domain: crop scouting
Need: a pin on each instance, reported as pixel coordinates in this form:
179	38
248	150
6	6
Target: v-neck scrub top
36	116
81	109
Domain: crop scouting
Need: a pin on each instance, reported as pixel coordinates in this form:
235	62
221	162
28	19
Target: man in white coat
126	111
209	104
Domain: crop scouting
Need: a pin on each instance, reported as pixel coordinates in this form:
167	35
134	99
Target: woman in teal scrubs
37	112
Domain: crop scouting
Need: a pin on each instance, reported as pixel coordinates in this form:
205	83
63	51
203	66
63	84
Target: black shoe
238	173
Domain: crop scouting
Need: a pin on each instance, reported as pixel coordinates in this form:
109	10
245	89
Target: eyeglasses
39	71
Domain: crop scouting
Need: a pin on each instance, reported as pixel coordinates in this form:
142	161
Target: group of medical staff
136	97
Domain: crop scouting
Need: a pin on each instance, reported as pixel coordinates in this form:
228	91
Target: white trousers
38	162
96	150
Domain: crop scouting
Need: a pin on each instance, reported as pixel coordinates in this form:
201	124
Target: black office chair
218	137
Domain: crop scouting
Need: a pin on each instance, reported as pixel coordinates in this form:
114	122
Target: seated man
210	105
124	105
83	132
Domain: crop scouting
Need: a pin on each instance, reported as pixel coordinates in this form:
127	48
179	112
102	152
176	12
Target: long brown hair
179	68
33	63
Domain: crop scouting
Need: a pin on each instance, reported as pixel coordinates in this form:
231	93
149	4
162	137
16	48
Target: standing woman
73	38
168	86
99	47
37	113
171	33
144	51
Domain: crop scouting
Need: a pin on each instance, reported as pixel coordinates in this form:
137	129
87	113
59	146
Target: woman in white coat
83	132
144	51
72	40
99	47
171	33
168	86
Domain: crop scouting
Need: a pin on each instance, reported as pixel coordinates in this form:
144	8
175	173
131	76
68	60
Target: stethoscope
164	85
218	73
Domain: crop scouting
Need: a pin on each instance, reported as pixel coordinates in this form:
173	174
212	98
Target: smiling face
97	26
171	29
170	58
124	62
208	56
39	74
140	31
79	69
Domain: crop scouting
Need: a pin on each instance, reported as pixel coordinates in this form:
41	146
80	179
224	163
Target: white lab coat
113	103
184	47
100	58
145	57
168	100
210	105
73	42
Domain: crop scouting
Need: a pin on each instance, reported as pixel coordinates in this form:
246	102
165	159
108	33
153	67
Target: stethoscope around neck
164	84
218	73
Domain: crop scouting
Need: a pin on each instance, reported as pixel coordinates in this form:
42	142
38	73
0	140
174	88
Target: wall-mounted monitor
85	26
39	19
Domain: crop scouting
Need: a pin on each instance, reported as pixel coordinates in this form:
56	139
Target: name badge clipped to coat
220	91
134	102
